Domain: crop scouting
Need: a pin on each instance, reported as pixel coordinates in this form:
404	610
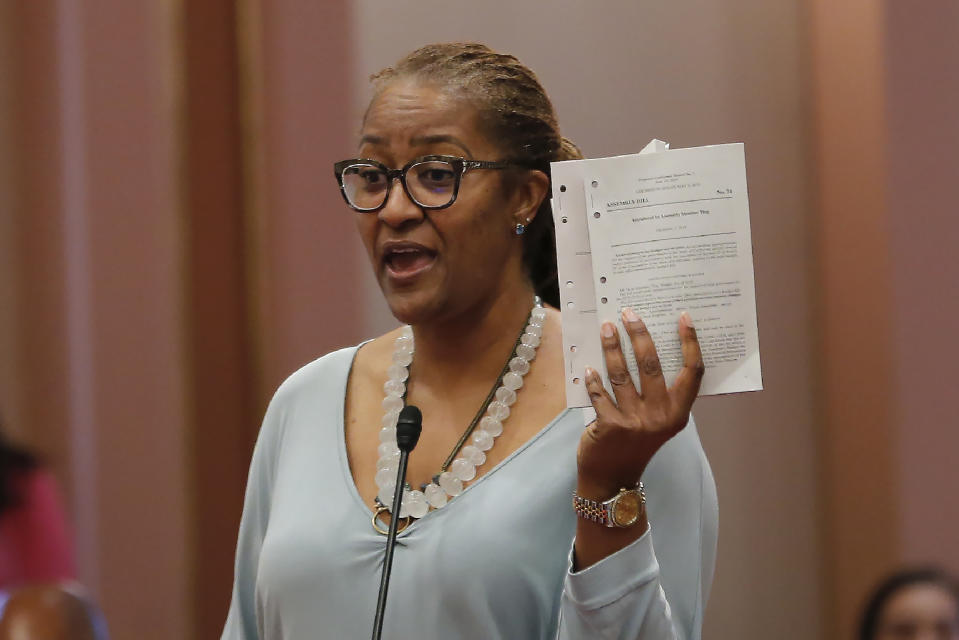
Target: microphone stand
409	424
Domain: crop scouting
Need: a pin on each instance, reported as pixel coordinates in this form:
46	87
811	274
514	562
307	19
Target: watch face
626	509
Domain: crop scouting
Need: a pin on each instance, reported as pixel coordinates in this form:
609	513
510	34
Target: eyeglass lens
430	183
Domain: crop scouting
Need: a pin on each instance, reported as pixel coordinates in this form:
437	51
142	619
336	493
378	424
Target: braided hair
514	109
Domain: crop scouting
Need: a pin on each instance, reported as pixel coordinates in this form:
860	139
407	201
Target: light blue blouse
491	564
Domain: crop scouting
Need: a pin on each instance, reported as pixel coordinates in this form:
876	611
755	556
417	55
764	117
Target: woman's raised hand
615	449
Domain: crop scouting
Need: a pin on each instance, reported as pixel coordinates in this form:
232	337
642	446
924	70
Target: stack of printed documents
662	231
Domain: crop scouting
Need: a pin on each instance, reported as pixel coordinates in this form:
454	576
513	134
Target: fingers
619	378
651	381
602	403
686	385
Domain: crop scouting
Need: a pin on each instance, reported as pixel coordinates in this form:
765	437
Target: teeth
399	250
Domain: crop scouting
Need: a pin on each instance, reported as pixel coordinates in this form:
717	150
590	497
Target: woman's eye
435	176
372	178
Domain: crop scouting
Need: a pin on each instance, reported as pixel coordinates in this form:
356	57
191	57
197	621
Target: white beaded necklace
449	482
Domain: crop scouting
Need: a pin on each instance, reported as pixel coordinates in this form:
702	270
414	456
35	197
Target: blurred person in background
34	537
914	604
50	612
38	600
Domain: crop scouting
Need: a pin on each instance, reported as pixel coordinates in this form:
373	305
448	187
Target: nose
399	208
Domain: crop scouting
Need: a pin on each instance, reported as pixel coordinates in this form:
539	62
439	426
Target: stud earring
520	228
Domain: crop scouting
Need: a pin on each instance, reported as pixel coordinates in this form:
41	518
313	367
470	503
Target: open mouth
405	261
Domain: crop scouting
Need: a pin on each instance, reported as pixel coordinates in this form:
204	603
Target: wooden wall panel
220	358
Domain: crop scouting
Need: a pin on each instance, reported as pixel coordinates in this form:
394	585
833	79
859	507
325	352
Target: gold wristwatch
622	510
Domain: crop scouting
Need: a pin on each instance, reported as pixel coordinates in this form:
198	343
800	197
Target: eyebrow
420	140
371	140
436	139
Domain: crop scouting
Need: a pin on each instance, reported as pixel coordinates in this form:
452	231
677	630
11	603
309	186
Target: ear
529	192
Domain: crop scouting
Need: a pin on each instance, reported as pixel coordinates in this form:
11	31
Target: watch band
605	512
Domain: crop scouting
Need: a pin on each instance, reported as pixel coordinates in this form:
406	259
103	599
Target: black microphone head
408	428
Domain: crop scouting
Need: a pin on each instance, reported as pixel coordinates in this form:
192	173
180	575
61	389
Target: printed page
670	232
575	267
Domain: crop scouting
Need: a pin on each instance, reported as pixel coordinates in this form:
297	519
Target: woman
450	193
913	604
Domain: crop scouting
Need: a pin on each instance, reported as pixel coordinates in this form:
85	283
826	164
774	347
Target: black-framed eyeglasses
432	182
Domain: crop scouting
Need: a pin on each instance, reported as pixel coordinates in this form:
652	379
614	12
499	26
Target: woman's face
433	264
920	612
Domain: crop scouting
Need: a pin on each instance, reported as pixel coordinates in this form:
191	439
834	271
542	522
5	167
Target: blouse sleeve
241	621
618	597
639	593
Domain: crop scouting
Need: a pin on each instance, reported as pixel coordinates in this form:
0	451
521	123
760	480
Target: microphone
408	428
409	424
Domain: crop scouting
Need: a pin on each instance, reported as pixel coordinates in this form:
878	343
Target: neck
471	347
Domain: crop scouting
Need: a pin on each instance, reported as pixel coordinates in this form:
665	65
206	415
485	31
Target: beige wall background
172	246
922	103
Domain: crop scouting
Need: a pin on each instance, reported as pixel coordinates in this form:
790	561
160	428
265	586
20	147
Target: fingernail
630	315
607	330
590	374
687	319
